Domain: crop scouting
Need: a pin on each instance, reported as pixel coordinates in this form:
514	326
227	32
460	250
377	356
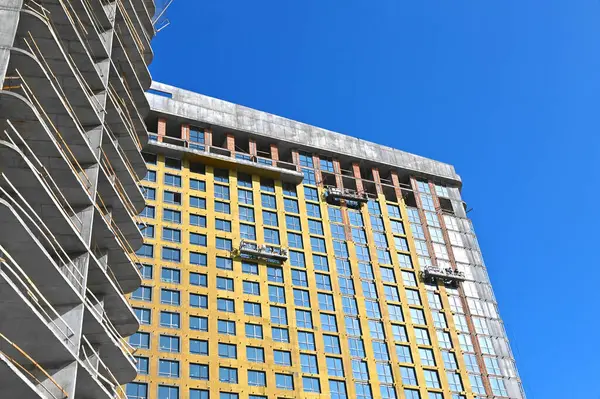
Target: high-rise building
72	108
282	260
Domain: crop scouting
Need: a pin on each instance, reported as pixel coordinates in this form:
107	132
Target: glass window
222	207
308	363
306	340
268	201
311	384
282	358
168	368
334	367
227	351
168	343
254	331
226	327
198	347
198	279
198	239
408	375
246	214
284	381
332	344
280	334
198	301
255	354
168	392
257	378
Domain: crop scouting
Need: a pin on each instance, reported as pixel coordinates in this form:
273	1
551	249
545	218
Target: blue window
251	288
246	214
172	180
169	275
252	309
247	232
198	371
326	164
249	268
268	201
291	205
222	207
198	185
313	210
142	364
142	293
198	393
267	185
224	243
255	354
282	358
198	347
198	301
270	218
275	274
137	390
289	189
332	344
167	392
149	193
145	271
257	378
170	297
292	222
311	384
198	259
197	138
299	278
221	192
198	279
171	254
171	216
198	239
244	180
317	244
315	227
278	315
309	176
140	340
150	176
297	259
301	298
148	212
169	343
146	251
295	240
335	215
280	334
320	262
228	375
143	315
227	351
245	197
223	225
198	323
311	194
221	175
284	381
271	236
254	331
337	389
304	319
306	340
197	220
197	202
224	263
226	327
226	305
173	235
171	197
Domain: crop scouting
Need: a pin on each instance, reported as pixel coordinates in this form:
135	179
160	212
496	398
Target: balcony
222	157
335	195
267	253
447	275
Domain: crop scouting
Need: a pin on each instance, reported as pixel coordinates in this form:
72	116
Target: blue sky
507	91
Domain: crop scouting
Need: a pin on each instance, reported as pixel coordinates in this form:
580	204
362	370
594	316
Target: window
313	210
167	392
376	329
143	315
380	350
169	343
295	240
251	288
301	298
346	286
323	281
422	336
198	301
311	384
276	294
172	163
408	375
486	345
271	236
249	268
145	271
332	344
357	348
352	326
257	378
454	381
198	323
283	358
268	201
147	230
399	333
326	302
477	384
223	225
275	274
224	263
254	331
170	297
171	197
306	340
140	340
169	319
198	347
337	390
292	222
221	192
432	379
426	356
373	310
395	312
150	176
404	355
227	395
222	207
245	197
384	372
317	244
171	254
246	214
297	259
172	180
334	367
349	306
198	394
492	366
308	363
284	381
224	244
299	278
168	368
303	319
226	305
171	216
198	259
252	309
278	315
498	387
198	185
142	364
449	360
326	164
224	283
169	275
417	316
227	351
142	294
315	227
280	334
146	251
255	354
198	279
198	371
226	327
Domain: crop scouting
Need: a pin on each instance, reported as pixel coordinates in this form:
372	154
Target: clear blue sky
508	91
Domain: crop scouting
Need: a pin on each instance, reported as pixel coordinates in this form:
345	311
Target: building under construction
282	260
72	110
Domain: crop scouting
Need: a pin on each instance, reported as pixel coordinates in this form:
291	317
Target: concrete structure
72	104
286	261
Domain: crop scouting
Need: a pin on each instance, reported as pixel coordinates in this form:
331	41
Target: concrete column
318	174
296	160
208	137
230	142
162	128
274	154
396	183
338	174
185	131
357	177
377	179
252	148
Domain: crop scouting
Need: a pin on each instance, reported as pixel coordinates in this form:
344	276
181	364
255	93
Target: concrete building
282	260
72	110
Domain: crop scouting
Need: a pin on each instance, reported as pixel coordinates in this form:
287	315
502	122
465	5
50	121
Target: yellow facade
378	384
